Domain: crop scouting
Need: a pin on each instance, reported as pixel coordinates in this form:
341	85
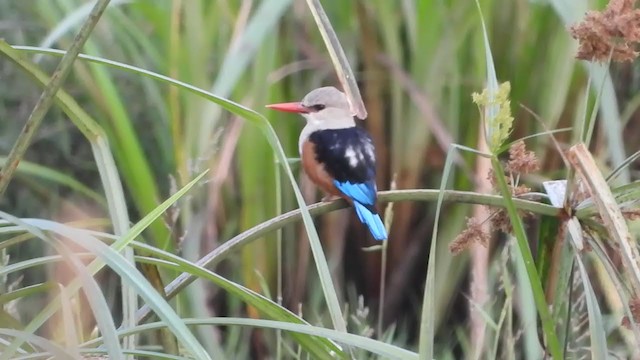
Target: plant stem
260	230
548	325
46	99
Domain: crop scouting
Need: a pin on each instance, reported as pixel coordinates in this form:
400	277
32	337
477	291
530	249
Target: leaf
339	59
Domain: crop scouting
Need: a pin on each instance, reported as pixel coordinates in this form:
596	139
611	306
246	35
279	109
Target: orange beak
294	107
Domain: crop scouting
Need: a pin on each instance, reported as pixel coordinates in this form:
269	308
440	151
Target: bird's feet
330	198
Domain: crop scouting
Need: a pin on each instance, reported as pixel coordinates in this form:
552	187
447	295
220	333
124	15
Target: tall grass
167	90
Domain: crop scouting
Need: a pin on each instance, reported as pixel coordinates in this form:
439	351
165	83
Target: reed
157	145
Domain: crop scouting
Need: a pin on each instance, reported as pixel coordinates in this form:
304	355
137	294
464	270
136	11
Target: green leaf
387	351
55	176
52	348
97	301
316	346
596	326
130	275
262	123
98	264
524	251
339	59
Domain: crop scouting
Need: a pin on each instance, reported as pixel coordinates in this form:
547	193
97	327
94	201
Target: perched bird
337	155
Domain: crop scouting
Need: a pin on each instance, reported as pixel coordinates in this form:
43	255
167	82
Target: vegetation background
417	63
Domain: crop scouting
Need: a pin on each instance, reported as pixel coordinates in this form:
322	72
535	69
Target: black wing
347	154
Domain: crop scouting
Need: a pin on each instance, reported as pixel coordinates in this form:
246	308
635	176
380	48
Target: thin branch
317	209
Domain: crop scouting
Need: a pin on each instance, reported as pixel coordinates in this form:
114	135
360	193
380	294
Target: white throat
330	118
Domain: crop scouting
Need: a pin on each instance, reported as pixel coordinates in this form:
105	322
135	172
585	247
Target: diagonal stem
280	221
548	326
46	98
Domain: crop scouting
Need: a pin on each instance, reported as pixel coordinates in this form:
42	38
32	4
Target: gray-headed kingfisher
337	155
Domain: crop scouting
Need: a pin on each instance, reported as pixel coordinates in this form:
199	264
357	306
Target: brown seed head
521	161
613	31
634	307
631	214
472	234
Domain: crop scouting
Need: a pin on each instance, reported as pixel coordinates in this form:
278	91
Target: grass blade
129	274
280	221
46	99
52	175
340	61
428	318
533	278
90	287
97	264
596	325
262	123
107	169
45	344
612	217
318	347
236	62
387	351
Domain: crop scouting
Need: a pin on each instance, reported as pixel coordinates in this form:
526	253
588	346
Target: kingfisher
338	156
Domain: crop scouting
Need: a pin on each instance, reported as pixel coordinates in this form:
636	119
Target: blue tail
373	221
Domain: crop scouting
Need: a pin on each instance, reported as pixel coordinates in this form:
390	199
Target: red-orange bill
294	107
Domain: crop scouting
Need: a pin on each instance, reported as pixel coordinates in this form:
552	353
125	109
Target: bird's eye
317	107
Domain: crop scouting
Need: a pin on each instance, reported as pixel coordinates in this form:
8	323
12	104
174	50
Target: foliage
157	151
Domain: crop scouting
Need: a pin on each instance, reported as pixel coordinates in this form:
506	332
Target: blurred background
417	63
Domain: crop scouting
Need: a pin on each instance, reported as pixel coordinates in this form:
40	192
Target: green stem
553	345
317	209
46	99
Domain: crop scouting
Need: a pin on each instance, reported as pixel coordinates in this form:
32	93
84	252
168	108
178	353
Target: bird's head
324	108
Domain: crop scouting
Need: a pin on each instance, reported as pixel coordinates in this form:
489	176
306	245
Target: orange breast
316	170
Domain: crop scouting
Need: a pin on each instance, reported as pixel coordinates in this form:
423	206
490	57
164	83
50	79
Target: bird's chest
315	169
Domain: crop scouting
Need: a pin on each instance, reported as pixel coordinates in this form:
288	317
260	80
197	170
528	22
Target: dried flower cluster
521	161
472	235
614	32
634	307
495	109
631	214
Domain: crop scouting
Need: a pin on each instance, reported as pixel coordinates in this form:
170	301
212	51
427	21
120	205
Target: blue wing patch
364	197
364	193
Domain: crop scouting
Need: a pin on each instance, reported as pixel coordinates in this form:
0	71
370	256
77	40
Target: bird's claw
330	198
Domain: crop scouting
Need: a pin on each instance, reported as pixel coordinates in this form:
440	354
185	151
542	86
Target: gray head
323	108
328	108
324	98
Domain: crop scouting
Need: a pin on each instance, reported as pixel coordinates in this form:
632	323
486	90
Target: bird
338	156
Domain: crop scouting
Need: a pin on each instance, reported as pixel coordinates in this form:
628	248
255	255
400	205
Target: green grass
157	151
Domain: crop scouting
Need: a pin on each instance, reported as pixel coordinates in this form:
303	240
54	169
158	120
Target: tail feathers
372	220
